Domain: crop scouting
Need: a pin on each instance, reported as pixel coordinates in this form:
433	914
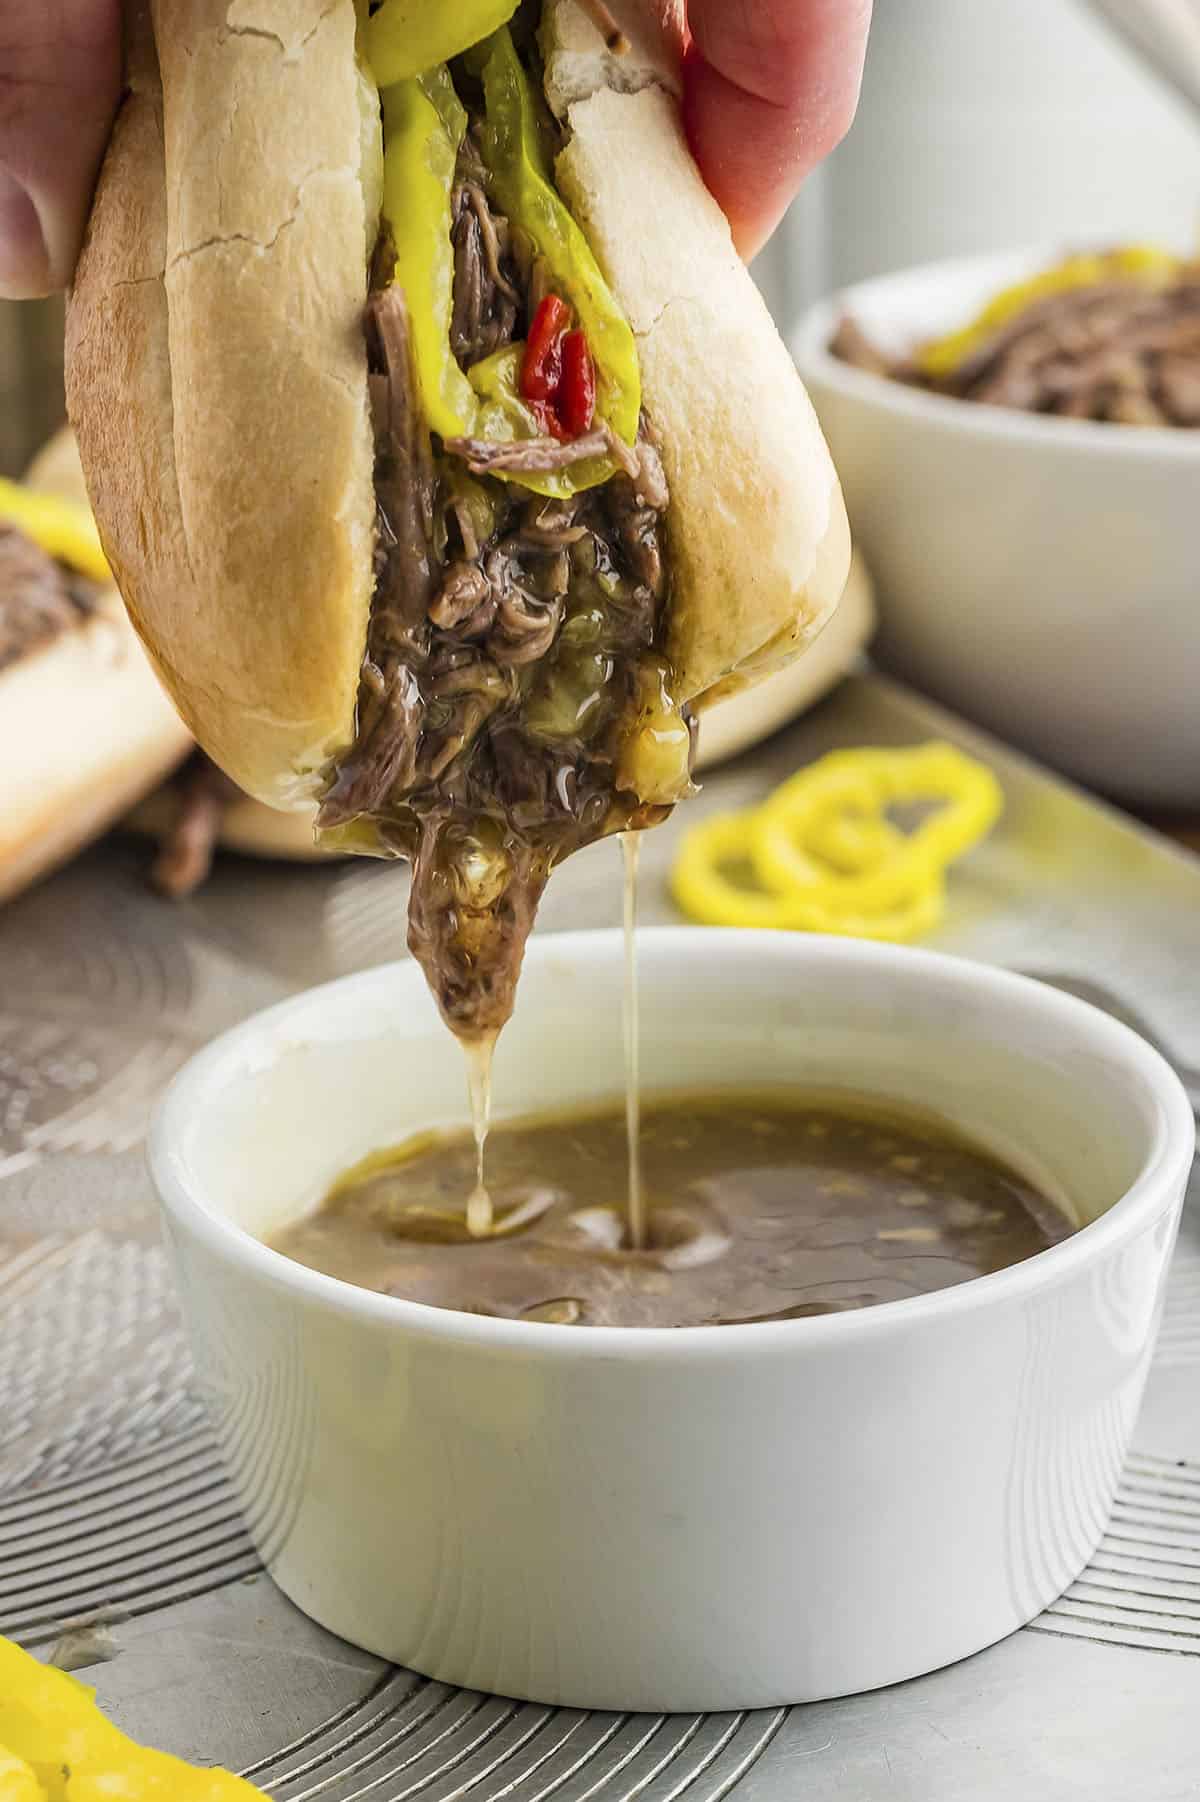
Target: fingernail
24	258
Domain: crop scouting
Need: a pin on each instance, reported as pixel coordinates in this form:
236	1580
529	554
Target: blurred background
985	124
991	125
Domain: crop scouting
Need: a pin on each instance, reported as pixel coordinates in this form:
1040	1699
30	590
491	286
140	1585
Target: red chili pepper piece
541	367
548	420
577	394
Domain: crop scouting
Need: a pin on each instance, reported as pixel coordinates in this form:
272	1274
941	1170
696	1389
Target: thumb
60	69
770	87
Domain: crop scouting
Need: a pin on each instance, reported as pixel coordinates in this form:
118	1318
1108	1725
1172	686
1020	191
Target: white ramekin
714	1518
1037	574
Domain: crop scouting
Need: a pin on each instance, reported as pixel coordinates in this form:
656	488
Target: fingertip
60	72
25	271
770	89
730	134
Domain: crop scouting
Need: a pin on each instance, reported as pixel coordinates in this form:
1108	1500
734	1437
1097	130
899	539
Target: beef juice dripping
479	1055
636	1223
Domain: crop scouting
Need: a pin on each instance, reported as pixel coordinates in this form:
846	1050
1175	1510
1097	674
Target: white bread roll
748	716
759	540
217	377
85	729
217	372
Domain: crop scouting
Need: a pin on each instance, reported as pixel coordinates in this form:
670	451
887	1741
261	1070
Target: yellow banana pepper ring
862	784
707	887
821	855
56	1746
17	1781
64	529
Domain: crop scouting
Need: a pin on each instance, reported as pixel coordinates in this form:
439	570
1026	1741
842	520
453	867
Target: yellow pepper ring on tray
821	855
56	1746
708	894
789	827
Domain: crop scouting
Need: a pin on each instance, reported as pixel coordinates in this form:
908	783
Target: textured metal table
113	1511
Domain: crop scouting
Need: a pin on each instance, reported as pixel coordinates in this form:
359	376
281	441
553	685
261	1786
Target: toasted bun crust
744	719
217	372
759	537
85	729
217	375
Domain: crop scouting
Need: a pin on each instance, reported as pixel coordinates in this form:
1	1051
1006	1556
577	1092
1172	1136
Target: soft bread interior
246	825
85	728
759	538
578	63
90	730
217	374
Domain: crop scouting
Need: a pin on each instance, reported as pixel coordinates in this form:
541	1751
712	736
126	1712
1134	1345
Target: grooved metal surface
113	1509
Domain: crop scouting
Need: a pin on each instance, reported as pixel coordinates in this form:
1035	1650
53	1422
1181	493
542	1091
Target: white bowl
1038	574
709	1518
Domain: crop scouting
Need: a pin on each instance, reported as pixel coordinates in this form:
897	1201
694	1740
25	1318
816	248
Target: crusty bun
747	717
85	729
759	535
246	825
217	377
217	373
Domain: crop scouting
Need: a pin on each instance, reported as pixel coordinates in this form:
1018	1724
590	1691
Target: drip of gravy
636	1217
479	1055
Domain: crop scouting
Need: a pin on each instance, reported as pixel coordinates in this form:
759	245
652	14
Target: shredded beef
1116	351
536	456
488	307
404	480
504	639
202	794
389	704
39	598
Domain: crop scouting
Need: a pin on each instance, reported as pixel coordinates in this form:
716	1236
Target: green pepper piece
505	418
406	37
424	125
513	150
572	700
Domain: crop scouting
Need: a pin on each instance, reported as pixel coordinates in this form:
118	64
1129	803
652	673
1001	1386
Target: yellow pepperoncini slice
513	150
64	529
406	37
424	126
1140	263
52	1733
821	855
17	1780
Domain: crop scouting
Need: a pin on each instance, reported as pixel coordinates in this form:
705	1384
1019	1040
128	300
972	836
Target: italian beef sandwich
446	455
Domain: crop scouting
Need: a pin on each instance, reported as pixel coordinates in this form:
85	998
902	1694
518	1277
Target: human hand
771	85
60	73
770	88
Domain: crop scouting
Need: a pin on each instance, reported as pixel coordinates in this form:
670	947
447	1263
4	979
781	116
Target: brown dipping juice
758	1207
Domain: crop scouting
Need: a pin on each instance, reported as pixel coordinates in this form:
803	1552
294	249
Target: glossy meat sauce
757	1207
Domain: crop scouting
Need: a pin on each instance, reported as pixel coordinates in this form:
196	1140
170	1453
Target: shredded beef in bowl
1113	337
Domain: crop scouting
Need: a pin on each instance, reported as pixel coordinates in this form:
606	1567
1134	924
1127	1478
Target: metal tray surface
120	1544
